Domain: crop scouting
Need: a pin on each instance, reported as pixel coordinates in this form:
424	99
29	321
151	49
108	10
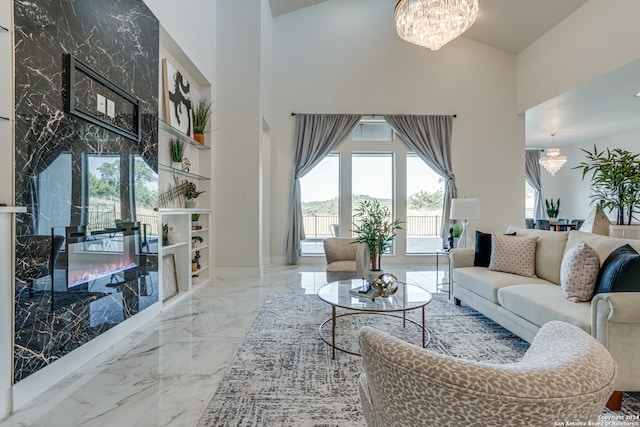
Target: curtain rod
376	114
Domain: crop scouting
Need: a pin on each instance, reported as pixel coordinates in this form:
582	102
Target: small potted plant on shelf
194	221
191	193
165	234
176	147
201	112
196	240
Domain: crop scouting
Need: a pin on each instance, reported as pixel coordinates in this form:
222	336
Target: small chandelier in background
553	161
434	23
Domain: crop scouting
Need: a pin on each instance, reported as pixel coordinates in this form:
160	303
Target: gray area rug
283	374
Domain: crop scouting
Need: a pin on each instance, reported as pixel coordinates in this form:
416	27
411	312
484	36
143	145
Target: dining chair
563	221
578	223
543	224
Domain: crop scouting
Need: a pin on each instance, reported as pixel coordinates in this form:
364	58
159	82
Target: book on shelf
365	291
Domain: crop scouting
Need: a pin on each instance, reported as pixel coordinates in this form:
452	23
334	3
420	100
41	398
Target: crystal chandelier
434	23
553	161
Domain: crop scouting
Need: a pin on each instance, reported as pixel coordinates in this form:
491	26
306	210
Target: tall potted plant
615	180
200	113
374	227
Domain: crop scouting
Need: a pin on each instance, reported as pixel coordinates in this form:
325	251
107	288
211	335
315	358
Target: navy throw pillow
483	249
620	272
482	256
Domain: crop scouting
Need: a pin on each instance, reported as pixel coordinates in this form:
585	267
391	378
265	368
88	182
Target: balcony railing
100	220
321	226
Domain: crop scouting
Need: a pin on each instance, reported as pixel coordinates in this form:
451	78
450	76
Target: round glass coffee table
337	294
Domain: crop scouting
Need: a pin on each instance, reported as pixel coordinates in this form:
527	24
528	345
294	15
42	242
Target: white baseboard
278	260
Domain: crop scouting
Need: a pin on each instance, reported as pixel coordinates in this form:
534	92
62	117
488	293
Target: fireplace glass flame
102	254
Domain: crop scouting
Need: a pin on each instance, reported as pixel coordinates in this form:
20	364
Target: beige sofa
523	304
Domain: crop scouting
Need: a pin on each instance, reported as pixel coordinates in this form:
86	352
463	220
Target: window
372	177
529	200
372	130
372	163
104	191
425	197
320	204
54	194
145	184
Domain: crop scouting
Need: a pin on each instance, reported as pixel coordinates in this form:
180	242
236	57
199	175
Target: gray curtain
316	135
430	138
532	175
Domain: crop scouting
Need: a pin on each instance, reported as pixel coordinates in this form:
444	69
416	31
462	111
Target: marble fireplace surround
54	151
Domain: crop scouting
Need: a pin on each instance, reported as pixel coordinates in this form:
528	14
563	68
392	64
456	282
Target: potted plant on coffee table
373	225
191	193
615	181
200	113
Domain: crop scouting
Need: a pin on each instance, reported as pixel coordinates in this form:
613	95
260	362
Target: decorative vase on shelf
191	204
174	236
186	164
199	137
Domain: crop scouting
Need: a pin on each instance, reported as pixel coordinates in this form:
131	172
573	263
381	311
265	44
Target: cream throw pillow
513	254
579	272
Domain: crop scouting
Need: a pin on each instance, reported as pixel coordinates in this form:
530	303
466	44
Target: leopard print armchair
565	375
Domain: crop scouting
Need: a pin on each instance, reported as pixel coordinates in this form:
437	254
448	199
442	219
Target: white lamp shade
465	209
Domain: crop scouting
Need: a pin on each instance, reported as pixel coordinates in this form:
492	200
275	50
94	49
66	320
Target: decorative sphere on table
386	284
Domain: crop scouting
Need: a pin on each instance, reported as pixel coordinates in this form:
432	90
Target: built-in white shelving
181	250
173	170
166	127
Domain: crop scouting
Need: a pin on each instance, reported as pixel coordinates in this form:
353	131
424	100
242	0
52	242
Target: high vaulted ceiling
509	25
602	107
280	7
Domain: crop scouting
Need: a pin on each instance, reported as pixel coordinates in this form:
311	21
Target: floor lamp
465	209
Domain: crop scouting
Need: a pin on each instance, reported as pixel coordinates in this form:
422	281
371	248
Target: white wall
345	56
266	100
599	37
193	26
567	184
237	161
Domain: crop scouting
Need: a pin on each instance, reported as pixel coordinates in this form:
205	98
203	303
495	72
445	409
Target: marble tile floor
164	373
